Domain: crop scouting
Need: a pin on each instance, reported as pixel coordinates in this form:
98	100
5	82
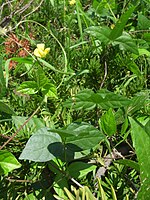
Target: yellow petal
41	46
72	2
47	50
36	53
41	52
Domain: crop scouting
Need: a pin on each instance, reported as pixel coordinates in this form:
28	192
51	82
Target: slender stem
111	12
19	129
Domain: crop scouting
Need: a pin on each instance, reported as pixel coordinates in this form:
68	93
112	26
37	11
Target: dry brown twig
19	9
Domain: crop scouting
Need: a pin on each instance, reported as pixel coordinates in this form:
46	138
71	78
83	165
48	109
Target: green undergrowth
75	120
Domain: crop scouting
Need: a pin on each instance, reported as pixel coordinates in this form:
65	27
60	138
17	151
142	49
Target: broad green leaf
136	104
146	37
2	80
8	162
141	143
28	87
147	127
49	90
6	109
80	169
100	33
41	78
143	22
80	136
37	147
104	99
82	100
129	163
117	31
126	43
108	123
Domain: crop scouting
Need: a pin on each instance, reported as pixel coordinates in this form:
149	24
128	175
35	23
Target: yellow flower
112	26
72	2
40	51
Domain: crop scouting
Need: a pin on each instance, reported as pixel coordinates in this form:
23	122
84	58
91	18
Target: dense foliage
74	100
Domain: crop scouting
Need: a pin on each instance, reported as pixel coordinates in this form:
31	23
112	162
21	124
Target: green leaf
8	162
117	31
114	197
30	197
27	60
100	33
143	22
132	66
46	64
37	147
80	136
129	163
59	183
144	52
6	109
80	169
7	71
82	100
141	143
2	80
28	87
127	43
52	2
136	104
99	6
88	193
108	123
104	99
49	90
146	37
147	127
41	78
101	190
124	126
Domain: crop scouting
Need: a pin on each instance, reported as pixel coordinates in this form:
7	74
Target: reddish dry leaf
16	47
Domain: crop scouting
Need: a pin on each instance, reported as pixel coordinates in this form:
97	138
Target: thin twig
4	136
33	10
105	75
76	182
139	31
4	4
19	181
19	129
24	8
